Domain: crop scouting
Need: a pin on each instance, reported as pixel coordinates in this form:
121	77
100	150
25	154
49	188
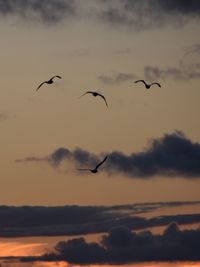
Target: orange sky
63	264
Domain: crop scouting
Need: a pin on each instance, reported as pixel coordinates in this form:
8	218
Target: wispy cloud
120	245
126	51
173	155
184	72
48	11
117	77
3	117
192	50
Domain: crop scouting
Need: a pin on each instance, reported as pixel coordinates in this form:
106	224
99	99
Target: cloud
193	50
184	72
79	220
117	77
137	15
173	155
48	11
126	51
120	245
148	14
3	117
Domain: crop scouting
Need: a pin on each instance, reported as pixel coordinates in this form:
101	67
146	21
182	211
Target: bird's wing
101	162
56	76
156	84
40	86
103	99
141	81
88	92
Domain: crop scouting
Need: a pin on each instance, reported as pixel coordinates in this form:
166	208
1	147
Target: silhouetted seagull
95	170
146	84
50	81
96	94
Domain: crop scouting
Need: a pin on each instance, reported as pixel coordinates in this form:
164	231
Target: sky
151	137
99	46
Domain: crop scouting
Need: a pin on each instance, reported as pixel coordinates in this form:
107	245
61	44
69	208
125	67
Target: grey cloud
117	77
184	72
193	50
48	11
120	245
139	15
78	156
76	220
148	14
173	155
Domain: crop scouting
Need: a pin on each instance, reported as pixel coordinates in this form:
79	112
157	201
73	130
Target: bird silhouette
95	170
50	81
146	84
96	94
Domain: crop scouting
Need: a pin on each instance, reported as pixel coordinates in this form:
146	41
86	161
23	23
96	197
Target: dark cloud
117	77
48	11
139	15
184	72
173	155
79	220
149	14
121	245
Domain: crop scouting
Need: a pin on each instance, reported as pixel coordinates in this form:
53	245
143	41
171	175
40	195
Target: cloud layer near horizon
173	155
76	220
120	245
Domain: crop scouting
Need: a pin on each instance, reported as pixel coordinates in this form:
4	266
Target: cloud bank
173	155
137	15
79	220
120	245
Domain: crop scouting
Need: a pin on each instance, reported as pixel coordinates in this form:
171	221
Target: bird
50	81
96	94
95	170
146	84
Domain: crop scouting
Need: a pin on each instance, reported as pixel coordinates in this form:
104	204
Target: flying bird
95	170
146	84
96	94
50	81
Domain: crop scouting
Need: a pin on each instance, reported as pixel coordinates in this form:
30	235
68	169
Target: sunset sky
105	46
151	137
